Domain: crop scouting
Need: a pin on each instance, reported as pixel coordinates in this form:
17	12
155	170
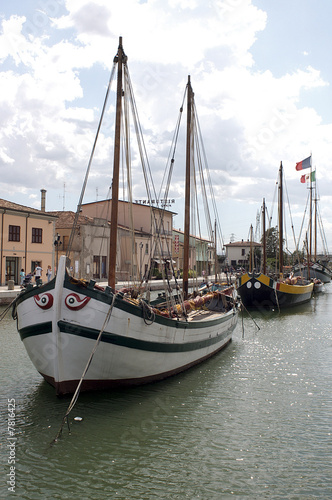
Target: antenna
63	196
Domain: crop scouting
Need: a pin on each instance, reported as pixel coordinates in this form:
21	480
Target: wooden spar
251	253
187	194
280	205
215	252
264	238
116	169
310	217
315	226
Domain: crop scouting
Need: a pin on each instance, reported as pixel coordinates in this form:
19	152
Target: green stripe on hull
144	345
38	329
111	338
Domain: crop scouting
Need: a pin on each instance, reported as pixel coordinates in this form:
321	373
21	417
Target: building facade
138	230
201	254
26	240
238	254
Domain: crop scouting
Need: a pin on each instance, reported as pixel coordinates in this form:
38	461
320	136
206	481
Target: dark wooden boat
260	291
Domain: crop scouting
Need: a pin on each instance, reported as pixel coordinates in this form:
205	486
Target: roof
191	235
243	244
144	203
9	205
66	219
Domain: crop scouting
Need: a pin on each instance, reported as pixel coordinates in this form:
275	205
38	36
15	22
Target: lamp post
140	265
57	243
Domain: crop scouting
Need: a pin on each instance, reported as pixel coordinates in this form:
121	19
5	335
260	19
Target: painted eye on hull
44	301
74	301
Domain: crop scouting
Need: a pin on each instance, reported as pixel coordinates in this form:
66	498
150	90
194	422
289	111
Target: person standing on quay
38	272
49	273
22	276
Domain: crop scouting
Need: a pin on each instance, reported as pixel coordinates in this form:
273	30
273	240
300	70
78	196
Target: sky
261	74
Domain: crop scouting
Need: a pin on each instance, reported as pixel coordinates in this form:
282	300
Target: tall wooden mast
187	193
251	252
264	237
281	237
119	58
215	252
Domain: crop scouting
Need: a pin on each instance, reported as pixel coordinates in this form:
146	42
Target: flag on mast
306	177
301	165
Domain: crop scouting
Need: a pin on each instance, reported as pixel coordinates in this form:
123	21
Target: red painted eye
74	301
44	301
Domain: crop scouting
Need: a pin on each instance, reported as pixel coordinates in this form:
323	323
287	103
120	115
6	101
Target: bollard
10	284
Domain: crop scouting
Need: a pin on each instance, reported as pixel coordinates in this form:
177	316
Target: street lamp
140	265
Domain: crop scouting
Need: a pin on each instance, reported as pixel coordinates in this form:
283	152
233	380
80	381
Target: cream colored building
134	259
201	254
27	237
238	253
90	246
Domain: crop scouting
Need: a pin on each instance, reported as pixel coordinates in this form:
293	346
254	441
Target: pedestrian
49	273
22	276
38	272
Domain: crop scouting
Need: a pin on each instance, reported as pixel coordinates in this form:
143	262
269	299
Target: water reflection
253	421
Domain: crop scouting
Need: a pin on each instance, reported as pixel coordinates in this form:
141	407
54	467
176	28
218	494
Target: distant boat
313	269
78	333
259	291
318	285
316	270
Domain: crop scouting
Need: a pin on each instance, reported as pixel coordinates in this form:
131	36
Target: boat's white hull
60	337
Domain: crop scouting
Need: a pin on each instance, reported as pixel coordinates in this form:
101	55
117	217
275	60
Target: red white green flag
306	177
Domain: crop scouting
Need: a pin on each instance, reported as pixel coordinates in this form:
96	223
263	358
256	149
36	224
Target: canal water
253	422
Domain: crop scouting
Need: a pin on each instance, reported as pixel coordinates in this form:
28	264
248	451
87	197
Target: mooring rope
244	307
277	301
3	314
78	388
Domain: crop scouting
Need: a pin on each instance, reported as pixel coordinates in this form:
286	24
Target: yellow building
26	240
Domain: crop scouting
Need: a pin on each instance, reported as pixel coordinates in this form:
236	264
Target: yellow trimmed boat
262	292
259	291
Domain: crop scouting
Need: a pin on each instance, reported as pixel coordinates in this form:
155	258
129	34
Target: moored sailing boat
72	328
260	291
313	269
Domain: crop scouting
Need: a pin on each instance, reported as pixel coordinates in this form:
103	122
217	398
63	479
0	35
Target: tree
272	242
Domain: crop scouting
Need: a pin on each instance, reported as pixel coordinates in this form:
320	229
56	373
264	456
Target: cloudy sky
260	69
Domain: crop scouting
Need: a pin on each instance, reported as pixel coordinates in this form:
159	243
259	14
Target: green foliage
272	243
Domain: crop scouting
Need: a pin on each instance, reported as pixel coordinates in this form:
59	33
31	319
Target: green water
253	422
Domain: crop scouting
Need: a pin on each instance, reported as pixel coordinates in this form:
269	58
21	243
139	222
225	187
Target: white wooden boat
77	333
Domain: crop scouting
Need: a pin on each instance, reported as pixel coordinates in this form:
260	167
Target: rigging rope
72	234
78	388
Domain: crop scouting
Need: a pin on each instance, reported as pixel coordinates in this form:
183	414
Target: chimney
43	196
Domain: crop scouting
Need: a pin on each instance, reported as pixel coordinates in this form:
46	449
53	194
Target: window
243	251
146	248
103	267
96	266
14	233
37	235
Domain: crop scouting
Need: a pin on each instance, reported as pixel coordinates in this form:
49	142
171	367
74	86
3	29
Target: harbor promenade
7	296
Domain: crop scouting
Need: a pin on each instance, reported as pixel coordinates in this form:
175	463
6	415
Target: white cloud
55	60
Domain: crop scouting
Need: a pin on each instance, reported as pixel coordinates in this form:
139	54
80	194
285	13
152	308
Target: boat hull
59	325
316	272
262	292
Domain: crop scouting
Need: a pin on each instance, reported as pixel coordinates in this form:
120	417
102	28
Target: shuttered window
14	233
37	235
